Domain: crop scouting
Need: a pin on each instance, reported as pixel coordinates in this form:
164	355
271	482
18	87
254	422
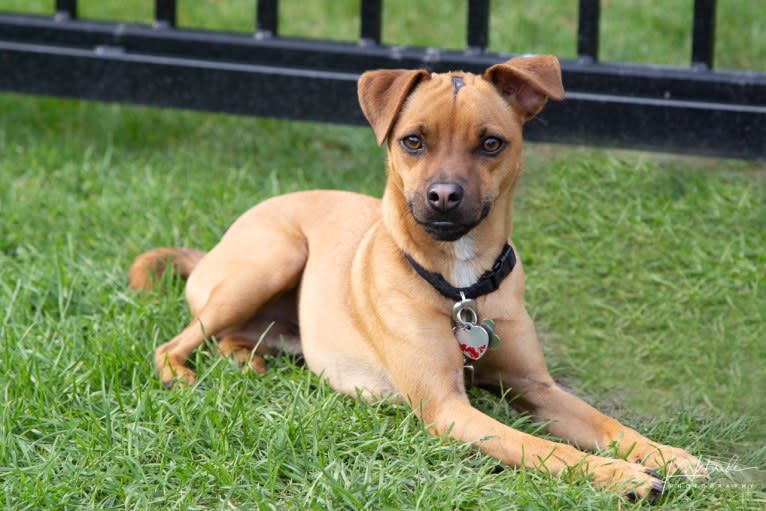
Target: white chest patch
464	274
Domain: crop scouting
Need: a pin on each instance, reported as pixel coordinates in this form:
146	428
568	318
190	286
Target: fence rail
695	110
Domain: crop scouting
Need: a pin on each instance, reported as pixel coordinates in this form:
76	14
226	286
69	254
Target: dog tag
489	326
472	339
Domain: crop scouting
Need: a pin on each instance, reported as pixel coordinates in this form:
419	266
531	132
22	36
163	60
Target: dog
401	296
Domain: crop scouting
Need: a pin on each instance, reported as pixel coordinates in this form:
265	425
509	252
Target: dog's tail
146	270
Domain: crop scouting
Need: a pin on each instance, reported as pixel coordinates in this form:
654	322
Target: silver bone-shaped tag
472	338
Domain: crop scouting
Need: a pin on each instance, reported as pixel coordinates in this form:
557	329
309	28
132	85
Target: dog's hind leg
227	291
273	329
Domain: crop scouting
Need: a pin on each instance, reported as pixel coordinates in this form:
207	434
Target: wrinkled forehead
456	94
447	86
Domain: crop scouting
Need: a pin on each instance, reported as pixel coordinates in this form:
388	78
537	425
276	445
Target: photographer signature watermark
731	473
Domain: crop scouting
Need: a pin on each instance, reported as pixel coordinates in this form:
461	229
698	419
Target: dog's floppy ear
382	94
528	82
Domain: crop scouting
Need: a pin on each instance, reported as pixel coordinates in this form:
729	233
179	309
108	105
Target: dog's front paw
634	481
672	460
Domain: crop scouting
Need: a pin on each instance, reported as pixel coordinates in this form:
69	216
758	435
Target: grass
645	277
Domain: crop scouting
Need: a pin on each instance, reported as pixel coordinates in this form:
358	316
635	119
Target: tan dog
362	275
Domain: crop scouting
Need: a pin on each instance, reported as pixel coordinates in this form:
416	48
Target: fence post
370	21
703	37
587	30
267	18
66	9
165	13
478	25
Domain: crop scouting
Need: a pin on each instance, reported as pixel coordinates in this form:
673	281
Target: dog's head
454	139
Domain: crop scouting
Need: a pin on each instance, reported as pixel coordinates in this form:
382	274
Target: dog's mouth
449	227
446	230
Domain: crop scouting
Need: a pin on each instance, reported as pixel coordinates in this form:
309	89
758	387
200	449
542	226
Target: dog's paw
170	376
244	358
672	460
257	365
634	481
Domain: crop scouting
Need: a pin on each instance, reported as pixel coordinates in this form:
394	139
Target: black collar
486	284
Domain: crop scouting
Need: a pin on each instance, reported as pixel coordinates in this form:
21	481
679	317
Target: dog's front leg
459	420
438	396
519	364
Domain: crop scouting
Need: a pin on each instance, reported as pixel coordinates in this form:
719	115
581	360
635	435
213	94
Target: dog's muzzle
445	215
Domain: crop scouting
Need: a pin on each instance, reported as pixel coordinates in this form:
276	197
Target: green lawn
646	276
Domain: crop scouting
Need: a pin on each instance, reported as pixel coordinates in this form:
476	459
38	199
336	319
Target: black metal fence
695	110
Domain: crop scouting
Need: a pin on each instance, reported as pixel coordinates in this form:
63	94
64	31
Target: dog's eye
492	145
412	143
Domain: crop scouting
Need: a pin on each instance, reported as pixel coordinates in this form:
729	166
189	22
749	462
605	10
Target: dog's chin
446	231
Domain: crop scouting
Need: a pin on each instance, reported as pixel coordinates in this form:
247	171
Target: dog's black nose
445	196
